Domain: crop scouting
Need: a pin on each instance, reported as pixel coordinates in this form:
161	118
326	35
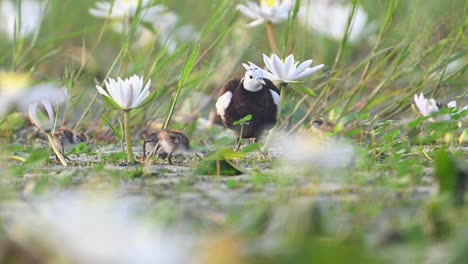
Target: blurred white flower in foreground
166	32
453	67
95	229
304	151
428	107
287	70
330	17
161	25
30	17
274	11
122	9
127	94
16	93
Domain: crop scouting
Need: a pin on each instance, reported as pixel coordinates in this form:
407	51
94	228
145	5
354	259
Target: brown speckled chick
65	139
165	143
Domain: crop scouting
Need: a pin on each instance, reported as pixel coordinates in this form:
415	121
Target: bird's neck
255	90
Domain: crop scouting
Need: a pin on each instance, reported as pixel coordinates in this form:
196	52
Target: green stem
266	146
128	142
171	110
271	38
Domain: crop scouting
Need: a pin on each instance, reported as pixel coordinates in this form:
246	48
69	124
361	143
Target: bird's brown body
165	143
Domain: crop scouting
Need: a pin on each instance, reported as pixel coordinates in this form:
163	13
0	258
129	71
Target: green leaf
114	130
251	148
121	130
445	171
12	122
187	69
243	120
189	65
210	167
413	124
225	153
305	90
79	149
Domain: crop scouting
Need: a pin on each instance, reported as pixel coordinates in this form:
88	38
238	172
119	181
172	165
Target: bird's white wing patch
222	103
277	101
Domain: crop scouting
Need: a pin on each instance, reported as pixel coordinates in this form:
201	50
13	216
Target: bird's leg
154	151
63	152
144	147
200	158
169	158
64	156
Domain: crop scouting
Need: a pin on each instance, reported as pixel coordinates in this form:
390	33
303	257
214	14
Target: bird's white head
253	78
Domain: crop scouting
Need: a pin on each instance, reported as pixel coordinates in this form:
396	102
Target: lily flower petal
142	96
102	91
277	67
452	104
309	71
302	67
288	64
255	23
50	112
33	116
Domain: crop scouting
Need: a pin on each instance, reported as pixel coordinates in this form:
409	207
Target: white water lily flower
428	107
121	9
127	94
287	70
35	119
274	11
30	16
330	17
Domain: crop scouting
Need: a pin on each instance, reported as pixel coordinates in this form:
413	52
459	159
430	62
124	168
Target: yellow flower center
14	81
269	3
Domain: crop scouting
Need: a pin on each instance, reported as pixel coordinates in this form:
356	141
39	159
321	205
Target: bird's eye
250	76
